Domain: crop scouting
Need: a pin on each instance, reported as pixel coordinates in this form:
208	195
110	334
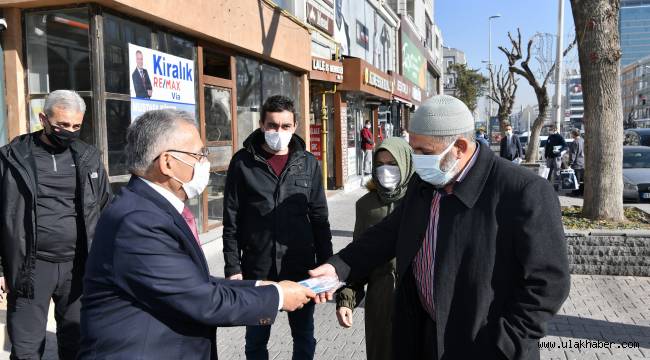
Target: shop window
58	55
118	119
118	33
215	64
249	97
175	45
281	82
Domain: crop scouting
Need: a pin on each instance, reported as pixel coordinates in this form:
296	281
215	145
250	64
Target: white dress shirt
179	205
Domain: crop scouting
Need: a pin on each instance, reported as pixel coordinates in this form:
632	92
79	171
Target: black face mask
61	139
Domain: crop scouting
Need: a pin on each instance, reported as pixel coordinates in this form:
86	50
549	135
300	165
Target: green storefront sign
414	64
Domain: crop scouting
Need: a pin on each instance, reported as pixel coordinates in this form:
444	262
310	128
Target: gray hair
64	99
449	139
150	134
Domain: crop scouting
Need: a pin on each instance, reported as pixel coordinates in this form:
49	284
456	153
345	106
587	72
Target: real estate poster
160	81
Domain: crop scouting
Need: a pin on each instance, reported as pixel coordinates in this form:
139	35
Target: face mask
428	168
509	133
61	139
200	178
277	140
367	126
388	176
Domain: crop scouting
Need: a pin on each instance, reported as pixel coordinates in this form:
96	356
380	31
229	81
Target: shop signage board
320	19
374	79
414	64
160	81
363	77
315	141
326	70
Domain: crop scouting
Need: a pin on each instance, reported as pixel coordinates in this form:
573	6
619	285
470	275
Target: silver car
636	173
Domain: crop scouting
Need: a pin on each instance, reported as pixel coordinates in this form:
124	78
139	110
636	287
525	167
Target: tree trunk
596	23
532	152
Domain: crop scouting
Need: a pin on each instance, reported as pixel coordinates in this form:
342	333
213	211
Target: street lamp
490	67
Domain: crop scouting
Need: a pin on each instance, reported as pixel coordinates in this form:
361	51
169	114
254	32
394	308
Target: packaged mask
322	284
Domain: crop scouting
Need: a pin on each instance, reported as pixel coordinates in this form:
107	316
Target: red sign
315	141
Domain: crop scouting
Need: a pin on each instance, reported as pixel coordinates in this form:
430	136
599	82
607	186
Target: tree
599	53
504	87
470	85
514	55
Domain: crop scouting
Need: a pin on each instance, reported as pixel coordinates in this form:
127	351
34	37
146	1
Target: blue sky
464	25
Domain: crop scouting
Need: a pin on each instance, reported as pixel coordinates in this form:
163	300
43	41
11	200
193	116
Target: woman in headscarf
391	171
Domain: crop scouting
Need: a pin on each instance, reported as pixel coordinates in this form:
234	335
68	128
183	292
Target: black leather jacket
18	191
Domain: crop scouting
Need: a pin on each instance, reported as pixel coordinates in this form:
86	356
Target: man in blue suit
148	293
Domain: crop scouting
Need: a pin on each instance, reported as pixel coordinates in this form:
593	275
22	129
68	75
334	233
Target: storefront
219	76
364	90
324	78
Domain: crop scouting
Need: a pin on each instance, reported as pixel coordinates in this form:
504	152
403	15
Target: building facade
419	58
634	27
451	56
573	105
635	89
228	67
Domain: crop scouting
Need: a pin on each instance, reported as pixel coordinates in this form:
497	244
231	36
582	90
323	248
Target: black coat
148	293
274	227
515	150
18	191
501	266
552	141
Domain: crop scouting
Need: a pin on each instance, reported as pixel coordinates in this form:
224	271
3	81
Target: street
599	309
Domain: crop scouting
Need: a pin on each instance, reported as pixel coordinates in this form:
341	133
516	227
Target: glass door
218	139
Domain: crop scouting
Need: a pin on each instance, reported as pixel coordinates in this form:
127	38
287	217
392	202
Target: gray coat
577	154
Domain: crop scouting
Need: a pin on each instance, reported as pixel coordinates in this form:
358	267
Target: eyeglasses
198	156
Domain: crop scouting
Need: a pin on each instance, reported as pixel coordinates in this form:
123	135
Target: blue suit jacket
147	290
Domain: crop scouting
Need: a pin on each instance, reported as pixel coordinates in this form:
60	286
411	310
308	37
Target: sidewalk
577	201
599	308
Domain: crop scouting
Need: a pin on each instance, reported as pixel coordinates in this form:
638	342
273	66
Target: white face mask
388	176
509	133
200	178
428	168
277	140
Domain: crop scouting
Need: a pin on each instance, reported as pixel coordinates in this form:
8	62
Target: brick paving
601	309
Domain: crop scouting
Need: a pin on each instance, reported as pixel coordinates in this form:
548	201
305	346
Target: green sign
414	64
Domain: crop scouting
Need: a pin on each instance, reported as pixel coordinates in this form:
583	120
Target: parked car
636	173
637	137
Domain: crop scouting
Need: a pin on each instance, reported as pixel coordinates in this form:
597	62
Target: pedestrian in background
53	187
275	219
477	278
511	148
404	134
367	144
553	152
481	138
577	159
391	173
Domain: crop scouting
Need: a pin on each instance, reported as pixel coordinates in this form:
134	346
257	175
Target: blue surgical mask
428	168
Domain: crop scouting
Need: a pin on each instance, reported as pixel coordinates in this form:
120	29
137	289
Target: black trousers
27	318
429	340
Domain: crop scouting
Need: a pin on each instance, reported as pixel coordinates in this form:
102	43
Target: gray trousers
367	162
